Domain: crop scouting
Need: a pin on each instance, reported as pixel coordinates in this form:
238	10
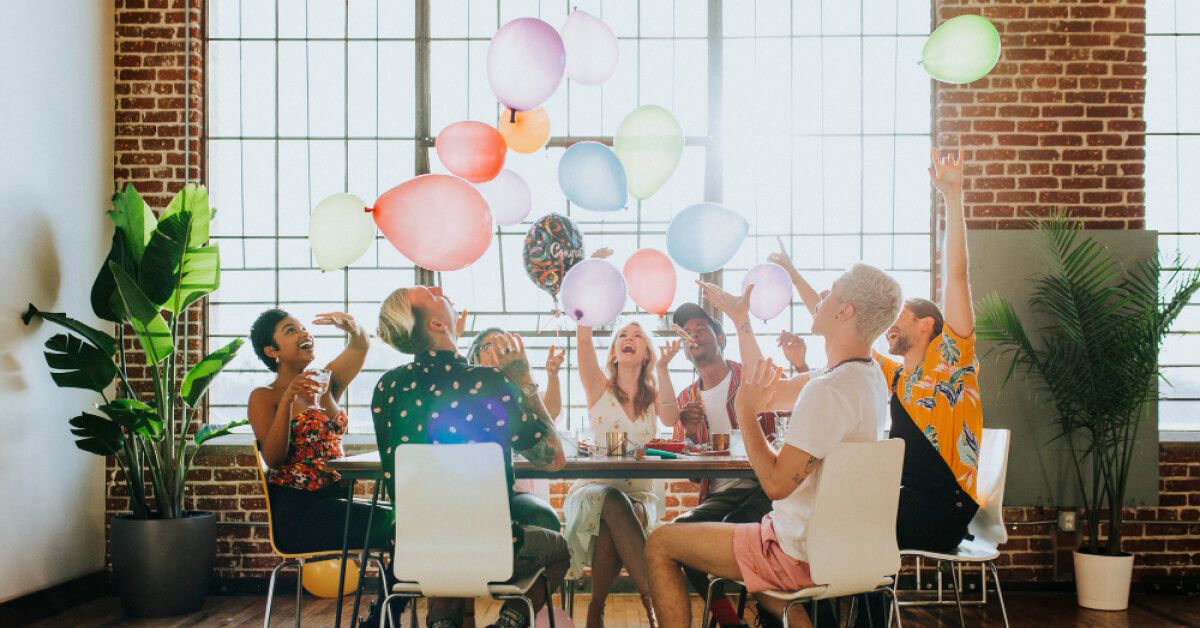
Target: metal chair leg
549	601
413	603
742	603
894	607
957	594
271	591
299	591
999	593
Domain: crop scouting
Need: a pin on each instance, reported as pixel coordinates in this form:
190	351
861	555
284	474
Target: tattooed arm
536	438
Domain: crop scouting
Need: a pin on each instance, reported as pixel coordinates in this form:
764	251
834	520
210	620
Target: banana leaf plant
1097	358
156	268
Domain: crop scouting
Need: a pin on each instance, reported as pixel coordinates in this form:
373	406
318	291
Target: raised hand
303	388
602	253
736	308
460	325
511	358
346	323
946	173
760	383
782	258
692	415
794	349
667	352
554	360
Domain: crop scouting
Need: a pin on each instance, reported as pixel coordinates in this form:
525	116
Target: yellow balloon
526	131
321	578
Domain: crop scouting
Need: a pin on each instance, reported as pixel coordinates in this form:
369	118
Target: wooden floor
1024	609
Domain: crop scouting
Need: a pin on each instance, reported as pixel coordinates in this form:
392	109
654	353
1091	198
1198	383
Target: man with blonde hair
845	402
439	398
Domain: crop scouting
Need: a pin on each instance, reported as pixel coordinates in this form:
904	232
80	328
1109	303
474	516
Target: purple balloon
525	63
772	290
593	293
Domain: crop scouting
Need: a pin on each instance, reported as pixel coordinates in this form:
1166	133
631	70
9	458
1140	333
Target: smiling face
293	344
629	346
708	344
907	331
487	350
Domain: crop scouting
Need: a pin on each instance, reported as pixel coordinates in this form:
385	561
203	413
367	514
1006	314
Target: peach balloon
527	131
650	276
438	221
471	150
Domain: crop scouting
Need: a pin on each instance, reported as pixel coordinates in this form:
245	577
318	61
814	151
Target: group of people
750	529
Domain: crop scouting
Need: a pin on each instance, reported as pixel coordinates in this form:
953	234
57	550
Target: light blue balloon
704	237
592	177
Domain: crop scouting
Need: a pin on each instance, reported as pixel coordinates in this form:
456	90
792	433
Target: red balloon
436	220
650	276
472	150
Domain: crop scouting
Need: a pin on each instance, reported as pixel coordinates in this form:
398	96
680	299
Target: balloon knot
512	118
367	210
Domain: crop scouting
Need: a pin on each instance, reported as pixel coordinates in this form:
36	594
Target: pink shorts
763	563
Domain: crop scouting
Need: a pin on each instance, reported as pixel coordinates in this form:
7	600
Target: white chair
987	527
453	528
852	533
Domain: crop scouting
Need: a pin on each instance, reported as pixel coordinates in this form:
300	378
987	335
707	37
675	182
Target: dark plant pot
161	567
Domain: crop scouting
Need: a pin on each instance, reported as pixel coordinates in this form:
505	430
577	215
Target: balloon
562	619
321	577
772	290
650	276
962	50
703	237
593	292
438	221
592	51
649	144
340	231
552	246
525	63
471	150
509	197
592	177
525	131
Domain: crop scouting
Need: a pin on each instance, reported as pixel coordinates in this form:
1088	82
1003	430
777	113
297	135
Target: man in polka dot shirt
439	398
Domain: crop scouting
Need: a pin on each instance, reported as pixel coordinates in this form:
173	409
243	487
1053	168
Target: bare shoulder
264	395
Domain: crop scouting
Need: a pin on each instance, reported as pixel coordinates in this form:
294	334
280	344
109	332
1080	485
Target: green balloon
963	49
649	144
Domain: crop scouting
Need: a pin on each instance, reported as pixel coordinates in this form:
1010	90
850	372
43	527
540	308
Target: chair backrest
988	524
851	536
453	529
262	479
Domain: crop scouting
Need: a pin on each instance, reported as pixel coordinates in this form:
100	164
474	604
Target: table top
365	466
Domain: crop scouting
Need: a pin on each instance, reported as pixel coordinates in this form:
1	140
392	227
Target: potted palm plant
1097	359
162	554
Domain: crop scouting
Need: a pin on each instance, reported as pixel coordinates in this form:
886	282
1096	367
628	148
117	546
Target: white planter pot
1102	582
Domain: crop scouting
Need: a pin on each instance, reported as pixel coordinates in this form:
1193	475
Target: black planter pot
162	567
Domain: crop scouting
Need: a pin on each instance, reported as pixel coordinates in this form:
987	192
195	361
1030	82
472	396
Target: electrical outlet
1066	520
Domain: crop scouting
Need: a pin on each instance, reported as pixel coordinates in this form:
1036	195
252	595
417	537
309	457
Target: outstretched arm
946	175
590	372
807	293
668	410
345	367
779	474
547	452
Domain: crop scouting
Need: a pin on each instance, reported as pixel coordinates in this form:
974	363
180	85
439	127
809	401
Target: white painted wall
56	154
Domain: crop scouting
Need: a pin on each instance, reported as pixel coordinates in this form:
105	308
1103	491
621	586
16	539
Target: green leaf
158	272
97	434
201	274
215	430
192	199
134	219
106	302
78	364
99	339
134	416
144	316
198	379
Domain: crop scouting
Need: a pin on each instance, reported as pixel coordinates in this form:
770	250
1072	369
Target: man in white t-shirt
845	402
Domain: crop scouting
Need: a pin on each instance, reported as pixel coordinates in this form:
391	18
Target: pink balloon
593	292
772	290
509	197
650	276
472	150
438	221
525	63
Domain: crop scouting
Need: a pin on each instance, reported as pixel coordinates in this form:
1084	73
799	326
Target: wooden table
367	467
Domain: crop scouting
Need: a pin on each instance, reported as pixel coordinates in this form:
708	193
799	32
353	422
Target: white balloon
592	51
340	231
509	197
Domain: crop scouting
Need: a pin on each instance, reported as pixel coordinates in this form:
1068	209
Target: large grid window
812	119
1172	196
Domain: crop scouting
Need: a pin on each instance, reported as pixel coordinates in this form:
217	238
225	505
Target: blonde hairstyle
647	385
400	325
876	298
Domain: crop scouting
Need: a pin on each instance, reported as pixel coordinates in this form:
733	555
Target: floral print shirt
315	440
942	397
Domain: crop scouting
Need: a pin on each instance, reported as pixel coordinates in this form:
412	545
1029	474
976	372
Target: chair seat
810	593
515	586
966	552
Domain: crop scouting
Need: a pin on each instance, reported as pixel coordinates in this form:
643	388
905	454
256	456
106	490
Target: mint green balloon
962	50
649	144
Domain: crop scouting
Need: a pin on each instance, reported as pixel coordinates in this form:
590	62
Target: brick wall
1057	124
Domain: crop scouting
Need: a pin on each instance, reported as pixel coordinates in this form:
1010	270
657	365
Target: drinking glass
736	446
322	379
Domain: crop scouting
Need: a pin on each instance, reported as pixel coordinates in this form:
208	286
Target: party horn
650	451
683	334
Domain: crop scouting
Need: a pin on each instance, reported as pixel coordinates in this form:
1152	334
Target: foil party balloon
552	246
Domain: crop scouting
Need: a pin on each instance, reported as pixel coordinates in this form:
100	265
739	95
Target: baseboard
51	601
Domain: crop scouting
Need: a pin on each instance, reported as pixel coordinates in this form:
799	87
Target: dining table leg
362	558
337	618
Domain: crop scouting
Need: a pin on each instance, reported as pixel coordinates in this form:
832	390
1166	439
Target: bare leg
605	567
705	546
628	536
797	618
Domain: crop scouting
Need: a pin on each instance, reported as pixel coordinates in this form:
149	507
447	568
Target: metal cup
719	442
615	443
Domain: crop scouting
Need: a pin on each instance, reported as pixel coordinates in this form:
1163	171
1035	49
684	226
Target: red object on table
673	446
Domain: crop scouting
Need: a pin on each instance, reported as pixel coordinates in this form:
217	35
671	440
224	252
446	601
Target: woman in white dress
607	519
